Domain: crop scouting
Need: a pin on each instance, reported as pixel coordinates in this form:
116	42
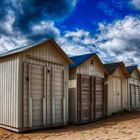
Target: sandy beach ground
117	127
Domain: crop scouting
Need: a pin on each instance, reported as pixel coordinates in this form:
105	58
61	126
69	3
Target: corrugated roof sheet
111	67
77	60
23	48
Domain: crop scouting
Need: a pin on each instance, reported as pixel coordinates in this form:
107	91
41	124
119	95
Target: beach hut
116	81
34	87
86	89
134	87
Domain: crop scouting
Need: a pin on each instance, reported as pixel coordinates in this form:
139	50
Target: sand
118	127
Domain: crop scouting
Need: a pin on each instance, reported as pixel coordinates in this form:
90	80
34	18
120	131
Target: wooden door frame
79	111
130	92
78	98
93	97
135	94
103	97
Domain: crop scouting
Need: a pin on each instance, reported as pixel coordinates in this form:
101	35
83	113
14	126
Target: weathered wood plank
30	97
53	98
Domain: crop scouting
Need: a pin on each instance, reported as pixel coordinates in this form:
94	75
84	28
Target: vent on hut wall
92	62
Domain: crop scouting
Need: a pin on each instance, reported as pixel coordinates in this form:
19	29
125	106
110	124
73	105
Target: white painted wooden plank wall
9	95
91	69
48	57
13	94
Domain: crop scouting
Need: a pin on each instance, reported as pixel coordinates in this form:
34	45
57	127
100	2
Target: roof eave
136	68
69	61
126	73
125	70
104	68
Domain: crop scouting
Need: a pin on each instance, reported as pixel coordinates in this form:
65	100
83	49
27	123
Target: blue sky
111	28
88	13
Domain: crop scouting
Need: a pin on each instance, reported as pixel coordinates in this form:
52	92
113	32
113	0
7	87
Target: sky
110	28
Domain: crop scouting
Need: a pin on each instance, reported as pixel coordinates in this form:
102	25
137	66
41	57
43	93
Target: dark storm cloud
20	17
3	9
30	12
132	45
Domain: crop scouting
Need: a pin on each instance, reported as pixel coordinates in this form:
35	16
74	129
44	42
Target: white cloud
80	36
10	38
19	25
117	41
121	39
45	27
75	42
6	26
80	42
8	43
135	4
78	33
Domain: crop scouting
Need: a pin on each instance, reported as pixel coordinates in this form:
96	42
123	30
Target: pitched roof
111	67
131	68
24	48
78	60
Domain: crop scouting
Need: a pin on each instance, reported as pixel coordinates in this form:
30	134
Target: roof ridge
82	55
132	66
118	62
79	59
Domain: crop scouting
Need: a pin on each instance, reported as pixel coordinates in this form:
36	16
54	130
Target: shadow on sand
113	120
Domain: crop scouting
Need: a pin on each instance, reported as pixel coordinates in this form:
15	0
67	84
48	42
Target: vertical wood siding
99	93
20	81
91	71
72	111
47	57
84	98
9	96
56	96
134	91
117	92
90	98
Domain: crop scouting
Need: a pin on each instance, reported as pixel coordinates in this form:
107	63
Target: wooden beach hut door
135	96
116	94
54	100
36	95
84	98
58	98
99	94
46	96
